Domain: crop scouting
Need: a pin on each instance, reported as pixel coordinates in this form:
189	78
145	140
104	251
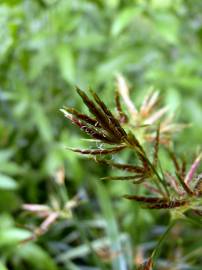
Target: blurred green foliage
46	48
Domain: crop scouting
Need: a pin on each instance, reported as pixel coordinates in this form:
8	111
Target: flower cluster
176	189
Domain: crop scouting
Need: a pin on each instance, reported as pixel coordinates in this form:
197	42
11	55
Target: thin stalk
162	238
154	171
159	178
166	194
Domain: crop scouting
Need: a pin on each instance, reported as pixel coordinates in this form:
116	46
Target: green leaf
169	34
6	182
42	122
118	263
2	266
35	256
12	236
5	155
123	19
66	60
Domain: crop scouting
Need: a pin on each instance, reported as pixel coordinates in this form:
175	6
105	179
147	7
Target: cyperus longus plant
178	190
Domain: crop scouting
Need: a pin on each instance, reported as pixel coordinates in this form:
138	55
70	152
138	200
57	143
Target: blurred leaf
66	59
10	168
12	236
5	154
36	257
3	267
123	19
6	182
6	221
42	122
12	200
170	33
119	262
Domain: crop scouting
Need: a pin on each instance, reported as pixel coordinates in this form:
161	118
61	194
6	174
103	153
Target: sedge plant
136	130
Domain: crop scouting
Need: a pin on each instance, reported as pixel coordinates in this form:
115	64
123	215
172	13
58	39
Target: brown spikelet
115	123
174	160
168	205
83	117
122	116
156	202
98	151
198	187
138	178
103	116
156	147
145	199
124	167
183	168
90	130
100	116
146	265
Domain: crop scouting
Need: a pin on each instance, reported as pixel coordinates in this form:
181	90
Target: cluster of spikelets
56	209
180	189
131	129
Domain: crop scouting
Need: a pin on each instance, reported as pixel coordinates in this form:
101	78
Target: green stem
159	178
162	238
140	149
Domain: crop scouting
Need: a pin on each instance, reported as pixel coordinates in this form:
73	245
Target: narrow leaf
6	182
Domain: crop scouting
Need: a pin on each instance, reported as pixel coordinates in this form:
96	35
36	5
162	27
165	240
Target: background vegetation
46	48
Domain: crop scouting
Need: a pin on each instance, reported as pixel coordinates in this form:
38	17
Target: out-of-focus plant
148	116
178	190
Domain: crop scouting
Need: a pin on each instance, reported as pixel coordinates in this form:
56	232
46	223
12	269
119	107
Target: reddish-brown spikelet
103	116
98	151
148	265
156	147
122	116
156	202
83	117
138	178
124	167
90	130
111	118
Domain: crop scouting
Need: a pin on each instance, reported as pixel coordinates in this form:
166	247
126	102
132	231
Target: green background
47	47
